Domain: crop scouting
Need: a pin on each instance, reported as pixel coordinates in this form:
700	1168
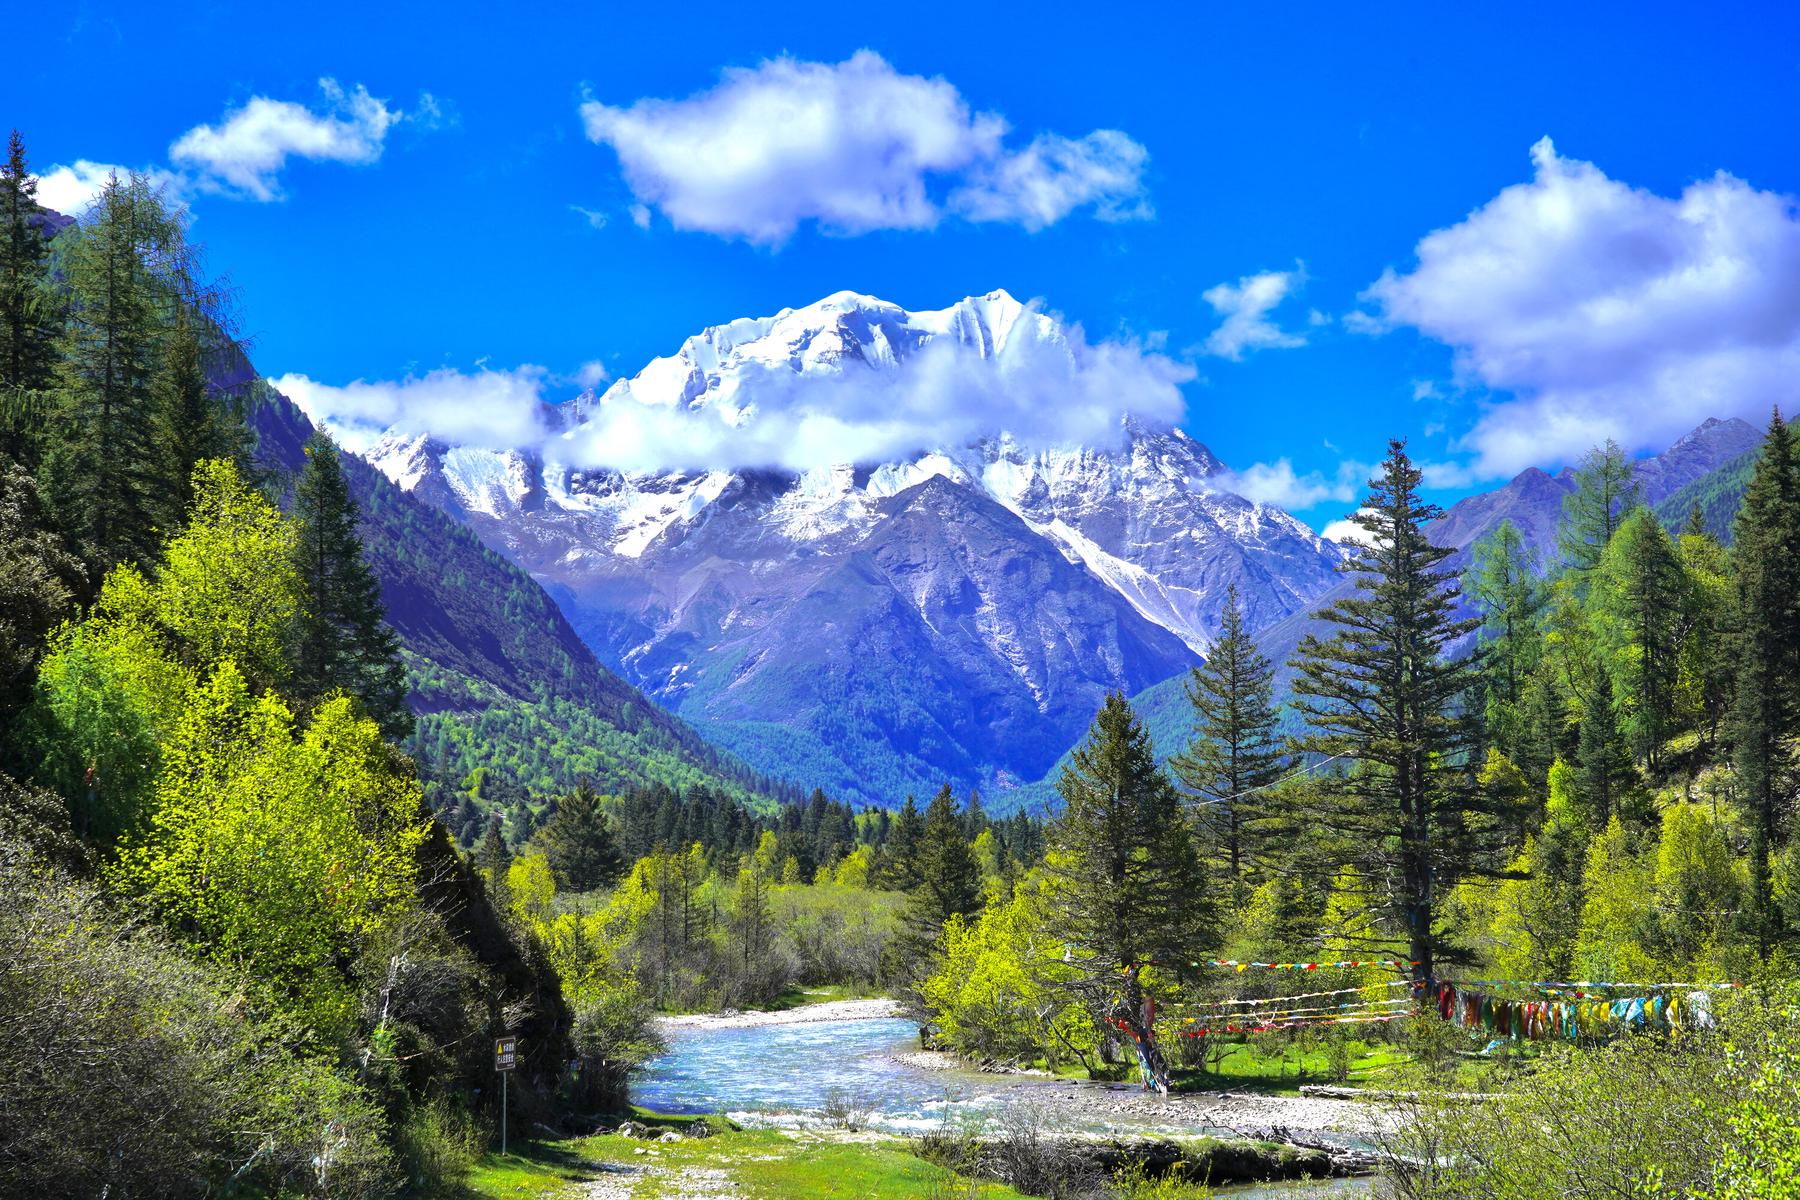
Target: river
787	1074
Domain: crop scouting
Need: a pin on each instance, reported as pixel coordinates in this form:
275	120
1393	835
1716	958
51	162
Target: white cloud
595	218
1279	484
591	374
1054	176
245	152
70	189
1246	305
1346	532
946	395
854	147
493	409
1608	310
640	215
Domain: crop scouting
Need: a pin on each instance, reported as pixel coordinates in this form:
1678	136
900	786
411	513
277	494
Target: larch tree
344	641
1129	889
1234	754
1606	491
1386	691
1767	649
1503	582
1641	602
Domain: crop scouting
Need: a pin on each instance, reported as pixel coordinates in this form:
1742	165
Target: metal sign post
505	1057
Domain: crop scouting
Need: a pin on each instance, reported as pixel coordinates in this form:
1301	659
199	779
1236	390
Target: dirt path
676	1183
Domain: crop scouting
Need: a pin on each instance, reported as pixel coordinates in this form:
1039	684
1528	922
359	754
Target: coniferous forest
1507	846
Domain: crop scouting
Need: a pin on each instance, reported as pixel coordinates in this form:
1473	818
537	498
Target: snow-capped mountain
952	613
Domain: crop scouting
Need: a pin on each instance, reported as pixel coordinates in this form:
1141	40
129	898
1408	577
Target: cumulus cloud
72	188
492	409
1279	484
1054	176
1245	307
1608	311
1346	531
246	151
854	146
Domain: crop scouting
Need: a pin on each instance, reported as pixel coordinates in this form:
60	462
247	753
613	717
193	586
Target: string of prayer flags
1540	1019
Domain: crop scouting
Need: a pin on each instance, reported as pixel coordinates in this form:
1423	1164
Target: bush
615	1034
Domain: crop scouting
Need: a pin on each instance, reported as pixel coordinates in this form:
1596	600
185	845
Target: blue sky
430	217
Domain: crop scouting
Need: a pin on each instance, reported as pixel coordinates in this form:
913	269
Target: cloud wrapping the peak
854	147
1246	306
1608	310
1277	483
1043	390
492	409
246	151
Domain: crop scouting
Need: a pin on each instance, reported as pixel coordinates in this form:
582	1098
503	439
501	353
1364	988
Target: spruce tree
1129	887
1602	758
27	334
1606	491
904	843
343	639
1234	754
187	426
1767	649
125	261
578	843
1385	690
949	879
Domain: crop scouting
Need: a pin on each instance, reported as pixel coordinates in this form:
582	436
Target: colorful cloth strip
1332	1008
1588	983
1373	987
1540	1019
1303	966
1352	1020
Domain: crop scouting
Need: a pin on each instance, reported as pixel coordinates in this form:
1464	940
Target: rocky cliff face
954	614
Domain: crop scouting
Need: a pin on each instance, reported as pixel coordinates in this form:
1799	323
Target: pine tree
1234	754
1603	761
344	642
187	428
1385	691
577	841
493	855
1130	890
27	335
949	879
1543	726
1768	662
1606	491
126	261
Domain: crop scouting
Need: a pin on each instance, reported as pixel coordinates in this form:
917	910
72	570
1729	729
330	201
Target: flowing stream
787	1074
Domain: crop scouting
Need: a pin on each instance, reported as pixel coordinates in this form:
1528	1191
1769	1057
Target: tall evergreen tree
949	879
1503	582
1640	599
1606	491
1602	758
905	842
27	334
1130	890
1768	663
1384	691
126	261
578	843
344	642
1234	754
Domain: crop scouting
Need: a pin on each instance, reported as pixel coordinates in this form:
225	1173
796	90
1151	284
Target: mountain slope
499	679
953	615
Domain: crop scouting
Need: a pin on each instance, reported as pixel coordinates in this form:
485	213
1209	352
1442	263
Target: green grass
1243	1068
760	1164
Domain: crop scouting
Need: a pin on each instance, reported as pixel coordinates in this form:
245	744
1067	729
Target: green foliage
1504	584
949	879
39	580
1641	607
578	841
1606	491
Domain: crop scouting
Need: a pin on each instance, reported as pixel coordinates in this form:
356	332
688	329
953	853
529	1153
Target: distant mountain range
955	615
